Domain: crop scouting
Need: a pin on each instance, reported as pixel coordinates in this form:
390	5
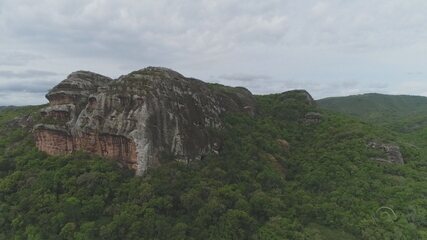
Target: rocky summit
142	119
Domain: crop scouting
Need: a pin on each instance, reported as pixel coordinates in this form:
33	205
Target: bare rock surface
142	119
392	151
312	118
283	144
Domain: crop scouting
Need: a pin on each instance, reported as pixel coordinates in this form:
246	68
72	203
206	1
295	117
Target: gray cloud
244	77
32	85
17	58
414	73
23	98
26	86
267	46
26	74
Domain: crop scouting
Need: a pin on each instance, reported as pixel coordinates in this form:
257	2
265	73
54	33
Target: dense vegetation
378	108
324	186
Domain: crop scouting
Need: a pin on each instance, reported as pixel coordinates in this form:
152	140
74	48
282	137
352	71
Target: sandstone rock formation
141	119
312	118
391	151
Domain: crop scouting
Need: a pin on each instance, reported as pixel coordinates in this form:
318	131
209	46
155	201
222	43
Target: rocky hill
142	119
288	170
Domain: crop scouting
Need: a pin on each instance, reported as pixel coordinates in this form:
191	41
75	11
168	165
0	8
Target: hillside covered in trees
279	175
389	110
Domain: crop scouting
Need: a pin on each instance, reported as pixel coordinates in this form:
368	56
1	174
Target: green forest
323	185
380	109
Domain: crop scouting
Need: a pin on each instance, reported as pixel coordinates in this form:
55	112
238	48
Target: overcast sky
330	47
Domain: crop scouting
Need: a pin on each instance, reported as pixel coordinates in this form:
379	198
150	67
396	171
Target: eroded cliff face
142	119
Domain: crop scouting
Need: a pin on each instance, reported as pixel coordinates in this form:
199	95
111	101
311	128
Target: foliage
323	187
386	110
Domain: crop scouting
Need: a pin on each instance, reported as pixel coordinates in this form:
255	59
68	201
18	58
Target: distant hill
399	111
5	107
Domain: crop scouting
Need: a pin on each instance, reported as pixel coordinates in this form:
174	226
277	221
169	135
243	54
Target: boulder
392	151
283	144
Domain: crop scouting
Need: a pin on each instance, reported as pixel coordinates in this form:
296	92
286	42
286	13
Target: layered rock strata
142	119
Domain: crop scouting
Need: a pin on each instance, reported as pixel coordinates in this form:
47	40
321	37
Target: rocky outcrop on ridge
301	96
142	119
392	152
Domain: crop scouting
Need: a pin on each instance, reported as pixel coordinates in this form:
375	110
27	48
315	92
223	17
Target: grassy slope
324	187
